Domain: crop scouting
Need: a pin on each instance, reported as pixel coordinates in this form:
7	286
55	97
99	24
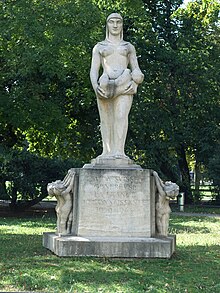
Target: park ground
26	266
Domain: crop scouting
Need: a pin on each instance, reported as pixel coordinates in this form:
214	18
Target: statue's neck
114	39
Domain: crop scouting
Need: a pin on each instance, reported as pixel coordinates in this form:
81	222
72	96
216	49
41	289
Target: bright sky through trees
186	2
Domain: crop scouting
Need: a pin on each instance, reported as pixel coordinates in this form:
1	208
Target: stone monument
112	207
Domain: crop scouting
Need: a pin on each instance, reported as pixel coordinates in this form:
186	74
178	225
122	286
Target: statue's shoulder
132	48
102	43
125	43
99	45
128	45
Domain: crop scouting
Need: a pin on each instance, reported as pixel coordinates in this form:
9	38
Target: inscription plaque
115	203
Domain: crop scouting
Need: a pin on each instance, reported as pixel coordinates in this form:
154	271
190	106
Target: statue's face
115	26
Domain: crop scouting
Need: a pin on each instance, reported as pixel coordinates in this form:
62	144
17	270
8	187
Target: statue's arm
95	66
94	72
133	58
159	184
66	179
69	185
137	75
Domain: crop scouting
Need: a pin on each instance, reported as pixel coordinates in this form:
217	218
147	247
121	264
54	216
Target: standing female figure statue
116	86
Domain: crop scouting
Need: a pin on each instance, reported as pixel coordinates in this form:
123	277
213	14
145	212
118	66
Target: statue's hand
137	76
131	89
101	93
155	173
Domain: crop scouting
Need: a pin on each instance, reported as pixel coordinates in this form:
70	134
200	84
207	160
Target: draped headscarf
113	15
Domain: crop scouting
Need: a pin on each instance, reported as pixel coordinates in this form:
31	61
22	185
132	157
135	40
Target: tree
44	70
199	42
45	51
181	92
25	176
47	105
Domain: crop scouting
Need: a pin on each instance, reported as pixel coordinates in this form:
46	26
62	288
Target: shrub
24	176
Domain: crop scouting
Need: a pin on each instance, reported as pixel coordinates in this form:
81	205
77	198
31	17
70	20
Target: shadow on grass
185	272
31	222
29	266
180	219
20	246
191	224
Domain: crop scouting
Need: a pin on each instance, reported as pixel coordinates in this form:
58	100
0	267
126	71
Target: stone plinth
113	216
112	162
125	247
115	203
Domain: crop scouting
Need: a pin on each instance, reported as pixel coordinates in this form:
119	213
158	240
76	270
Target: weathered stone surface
113	216
164	191
110	246
111	162
64	193
108	206
116	86
116	203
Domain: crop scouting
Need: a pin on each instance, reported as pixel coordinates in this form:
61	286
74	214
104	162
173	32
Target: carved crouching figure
164	191
63	191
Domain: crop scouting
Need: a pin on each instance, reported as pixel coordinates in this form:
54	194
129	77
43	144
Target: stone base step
121	247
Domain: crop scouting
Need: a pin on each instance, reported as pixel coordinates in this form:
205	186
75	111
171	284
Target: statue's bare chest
110	50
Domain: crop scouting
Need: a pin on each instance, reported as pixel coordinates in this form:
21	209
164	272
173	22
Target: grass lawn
203	209
26	266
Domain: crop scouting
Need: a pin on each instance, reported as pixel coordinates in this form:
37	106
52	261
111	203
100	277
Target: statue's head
114	25
171	189
55	188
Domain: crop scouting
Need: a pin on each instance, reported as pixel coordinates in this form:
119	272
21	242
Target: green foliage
27	266
214	171
47	104
25	176
177	110
45	56
199	42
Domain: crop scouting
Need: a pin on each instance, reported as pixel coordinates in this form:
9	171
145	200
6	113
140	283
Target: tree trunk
3	191
185	176
14	198
20	206
197	180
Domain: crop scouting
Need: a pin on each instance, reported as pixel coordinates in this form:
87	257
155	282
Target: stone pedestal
114	216
115	203
112	162
125	247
